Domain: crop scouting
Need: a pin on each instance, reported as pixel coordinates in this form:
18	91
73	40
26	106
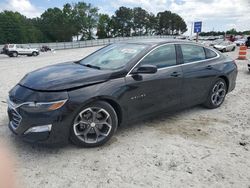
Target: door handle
175	74
209	67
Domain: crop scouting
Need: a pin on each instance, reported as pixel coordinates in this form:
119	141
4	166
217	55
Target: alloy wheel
218	93
92	125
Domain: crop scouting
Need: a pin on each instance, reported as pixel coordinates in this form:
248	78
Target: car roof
156	41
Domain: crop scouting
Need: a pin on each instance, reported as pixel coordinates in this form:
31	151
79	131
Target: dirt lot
196	147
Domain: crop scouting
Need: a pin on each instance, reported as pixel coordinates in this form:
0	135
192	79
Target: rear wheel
233	49
94	125
34	53
217	94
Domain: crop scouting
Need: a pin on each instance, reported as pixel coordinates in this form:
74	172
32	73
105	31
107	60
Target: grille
15	118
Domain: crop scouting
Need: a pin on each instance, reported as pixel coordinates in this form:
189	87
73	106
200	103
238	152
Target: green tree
232	32
140	19
85	18
170	23
104	26
16	28
82	19
151	24
53	25
122	22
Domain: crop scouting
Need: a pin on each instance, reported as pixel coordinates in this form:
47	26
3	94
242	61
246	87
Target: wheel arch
225	79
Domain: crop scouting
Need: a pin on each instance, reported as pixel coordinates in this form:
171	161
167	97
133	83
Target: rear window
210	53
192	53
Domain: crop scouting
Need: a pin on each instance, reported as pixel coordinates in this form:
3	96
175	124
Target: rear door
26	50
149	93
198	73
20	49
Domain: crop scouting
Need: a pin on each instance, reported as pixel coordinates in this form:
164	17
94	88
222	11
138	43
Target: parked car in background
13	50
225	46
45	49
240	42
248	42
87	100
181	37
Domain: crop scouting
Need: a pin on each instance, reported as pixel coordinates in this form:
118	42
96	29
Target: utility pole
191	29
197	36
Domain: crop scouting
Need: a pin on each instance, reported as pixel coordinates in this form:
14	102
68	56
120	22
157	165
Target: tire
224	50
14	54
34	54
87	129
217	94
233	49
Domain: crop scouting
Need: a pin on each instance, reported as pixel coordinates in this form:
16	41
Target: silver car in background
13	50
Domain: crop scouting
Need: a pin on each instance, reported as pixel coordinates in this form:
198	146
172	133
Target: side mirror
145	69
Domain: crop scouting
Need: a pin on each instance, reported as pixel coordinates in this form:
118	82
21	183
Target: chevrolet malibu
85	101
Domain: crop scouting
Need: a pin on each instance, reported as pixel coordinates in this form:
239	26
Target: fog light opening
38	129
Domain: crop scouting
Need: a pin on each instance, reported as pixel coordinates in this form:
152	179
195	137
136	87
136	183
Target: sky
217	15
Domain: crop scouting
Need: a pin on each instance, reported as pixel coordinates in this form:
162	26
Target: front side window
114	56
192	53
161	57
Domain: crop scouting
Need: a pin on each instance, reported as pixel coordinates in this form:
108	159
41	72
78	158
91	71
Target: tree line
229	32
83	20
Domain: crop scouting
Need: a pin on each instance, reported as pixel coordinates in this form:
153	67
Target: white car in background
225	46
13	50
240	42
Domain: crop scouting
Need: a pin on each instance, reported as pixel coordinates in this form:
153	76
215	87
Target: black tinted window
163	56
210	53
192	53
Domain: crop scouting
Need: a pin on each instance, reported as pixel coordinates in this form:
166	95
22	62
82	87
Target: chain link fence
88	43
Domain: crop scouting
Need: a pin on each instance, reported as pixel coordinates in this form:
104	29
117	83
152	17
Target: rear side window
161	57
210	53
192	53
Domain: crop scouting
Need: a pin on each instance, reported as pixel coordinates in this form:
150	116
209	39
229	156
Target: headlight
37	106
44	106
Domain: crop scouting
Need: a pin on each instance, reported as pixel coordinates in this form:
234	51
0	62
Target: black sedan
87	100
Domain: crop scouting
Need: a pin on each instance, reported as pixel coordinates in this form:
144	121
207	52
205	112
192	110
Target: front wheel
224	50
94	125
14	54
217	94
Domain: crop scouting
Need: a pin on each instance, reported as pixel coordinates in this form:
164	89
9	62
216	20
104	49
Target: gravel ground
196	147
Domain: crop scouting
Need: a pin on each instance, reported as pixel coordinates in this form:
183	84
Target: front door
149	93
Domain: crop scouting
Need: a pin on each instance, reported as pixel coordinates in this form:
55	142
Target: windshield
224	43
114	56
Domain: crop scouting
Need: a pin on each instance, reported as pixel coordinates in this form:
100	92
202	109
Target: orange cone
243	53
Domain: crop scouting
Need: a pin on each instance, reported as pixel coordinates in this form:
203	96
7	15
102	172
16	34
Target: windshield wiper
92	66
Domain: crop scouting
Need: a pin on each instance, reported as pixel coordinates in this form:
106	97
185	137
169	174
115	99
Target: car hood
63	76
